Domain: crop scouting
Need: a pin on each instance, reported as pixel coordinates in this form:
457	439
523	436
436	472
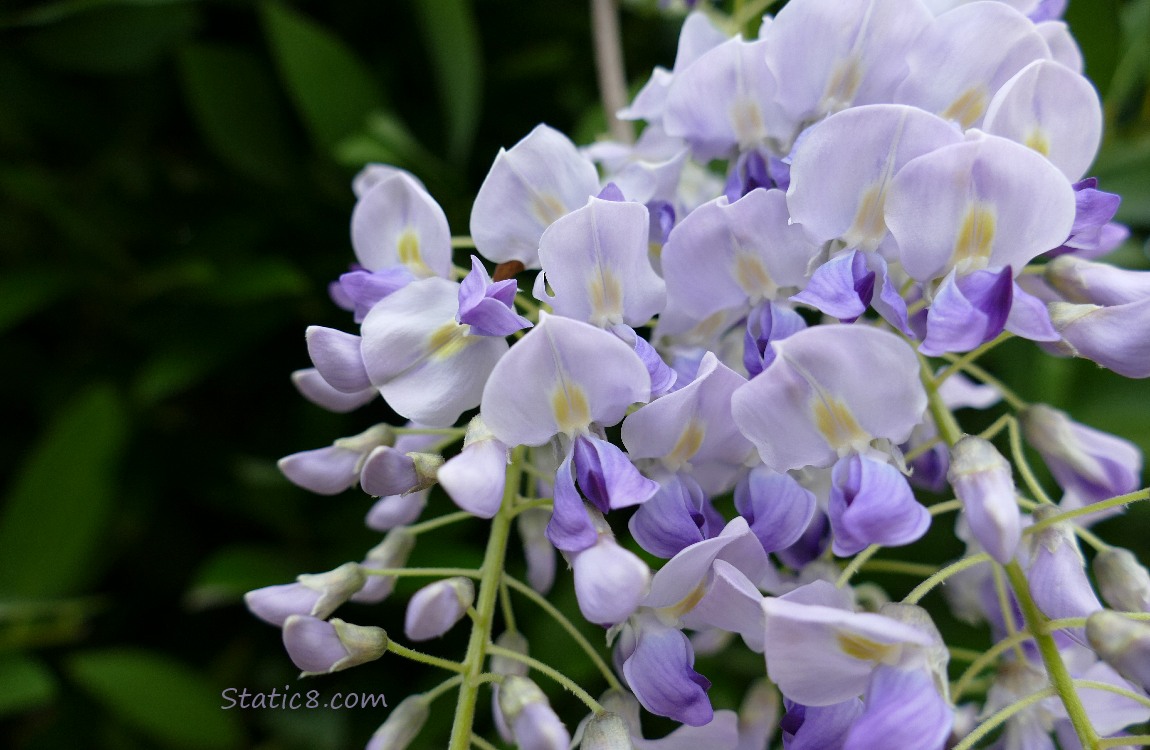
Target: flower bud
982	480
1123	581
609	581
317	595
392	552
390	471
402	726
396	510
513	641
533	723
475	478
1057	572
537	548
1122	643
331	470
319	647
435	608
606	731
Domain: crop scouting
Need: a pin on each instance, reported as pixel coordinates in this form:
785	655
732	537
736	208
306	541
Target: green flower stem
1114	502
1140	739
456	432
1059	676
422	658
505	603
948	428
481	743
1116	689
750	11
462	240
919	570
1008	395
443	687
1083	533
925	587
918	450
945	507
567	625
1024	465
566	682
1007	609
478	644
964	654
1001	717
439	522
424	572
996	427
854	565
539	502
982	662
959	363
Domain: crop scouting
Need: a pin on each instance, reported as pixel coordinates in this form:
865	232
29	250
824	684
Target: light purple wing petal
397	222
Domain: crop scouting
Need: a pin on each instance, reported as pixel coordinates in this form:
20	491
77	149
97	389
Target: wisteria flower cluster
738	344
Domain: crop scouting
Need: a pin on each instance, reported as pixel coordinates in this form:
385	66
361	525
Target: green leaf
25	292
232	96
114	39
1122	168
58	506
232	572
58	11
330	87
450	33
386	139
157	695
25	683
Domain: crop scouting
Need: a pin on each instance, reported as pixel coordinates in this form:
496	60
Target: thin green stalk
462	240
442	688
422	658
567	625
988	657
948	428
1083	533
1024	465
439	522
920	449
1001	717
1137	739
1106	687
423	572
945	507
920	570
996	427
481	743
854	565
508	610
963	654
1059	676
1114	502
1007	609
492	569
970	357
925	587
566	682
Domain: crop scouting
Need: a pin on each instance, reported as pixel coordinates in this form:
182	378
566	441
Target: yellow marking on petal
688	602
1038	141
569	405
606	294
547	208
753	278
747	120
448	340
967	108
836	423
688	444
869	227
864	649
407	248
843	84
975	237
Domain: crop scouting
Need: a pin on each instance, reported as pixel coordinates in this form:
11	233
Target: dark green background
174	198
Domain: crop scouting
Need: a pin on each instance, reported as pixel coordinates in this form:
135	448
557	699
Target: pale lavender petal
832	389
595	261
871	503
326	471
967	311
538	727
829	56
435	608
1054	111
776	506
843	167
397	222
609	582
1063	48
1029	317
731	255
361	289
314	388
537	548
660	673
312	644
818	727
396	510
903	709
475	479
488	307
946	79
691	430
982	480
392	552
1085	281
721	733
674	518
540	179
983	203
732	603
338	359
387	471
720	103
1103	334
678	579
373	174
767	322
1057	573
274	604
559	378
841	287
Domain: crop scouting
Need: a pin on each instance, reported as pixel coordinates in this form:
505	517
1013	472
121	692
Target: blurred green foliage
173	199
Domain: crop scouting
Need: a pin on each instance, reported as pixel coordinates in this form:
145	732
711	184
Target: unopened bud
435	608
516	693
534	724
1122	643
319	647
392	552
540	553
1122	580
982	480
1057	572
317	595
606	731
390	471
402	726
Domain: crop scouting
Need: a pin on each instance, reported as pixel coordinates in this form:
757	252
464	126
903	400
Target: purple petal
776	506
397	222
364	288
325	471
903	709
338	359
672	519
570	528
968	311
314	388
435	608
313	644
767	322
609	582
607	477
488	307
871	503
660	673
1103	334
841	287
388	471
475	479
818	727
